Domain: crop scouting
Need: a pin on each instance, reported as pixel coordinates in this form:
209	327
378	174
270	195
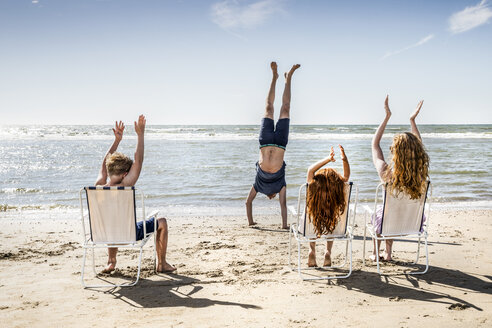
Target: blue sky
207	62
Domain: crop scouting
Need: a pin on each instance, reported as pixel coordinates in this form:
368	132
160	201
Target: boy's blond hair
118	163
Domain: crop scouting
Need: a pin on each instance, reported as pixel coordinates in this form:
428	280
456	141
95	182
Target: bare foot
288	75
273	65
312	260
166	267
285	227
373	257
386	256
110	267
327	261
252	224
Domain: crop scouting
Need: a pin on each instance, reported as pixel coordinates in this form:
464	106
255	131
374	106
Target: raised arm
377	153
346	166
415	130
316	166
132	176
118	135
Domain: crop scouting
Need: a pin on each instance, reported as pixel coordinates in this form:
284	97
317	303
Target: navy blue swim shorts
278	137
149	227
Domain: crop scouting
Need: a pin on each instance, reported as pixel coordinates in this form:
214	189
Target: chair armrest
152	214
367	209
292	209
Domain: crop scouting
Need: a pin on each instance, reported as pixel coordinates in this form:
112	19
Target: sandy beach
232	275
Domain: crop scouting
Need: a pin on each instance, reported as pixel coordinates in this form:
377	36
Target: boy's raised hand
140	125
118	129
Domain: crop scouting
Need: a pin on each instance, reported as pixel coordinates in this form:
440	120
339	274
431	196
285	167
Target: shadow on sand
176	291
453	281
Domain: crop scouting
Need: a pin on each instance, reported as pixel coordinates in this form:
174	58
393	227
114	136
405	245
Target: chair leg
299	259
82	271
139	267
418	252
377	253
94	261
290	248
364	248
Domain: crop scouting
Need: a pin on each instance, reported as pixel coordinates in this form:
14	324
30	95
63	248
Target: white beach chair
111	213
402	217
303	232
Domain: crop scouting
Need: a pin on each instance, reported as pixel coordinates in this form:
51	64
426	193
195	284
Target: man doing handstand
270	168
122	171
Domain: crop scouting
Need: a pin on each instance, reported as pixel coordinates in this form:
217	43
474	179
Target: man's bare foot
327	261
312	260
110	267
285	227
166	267
252	224
288	75
273	65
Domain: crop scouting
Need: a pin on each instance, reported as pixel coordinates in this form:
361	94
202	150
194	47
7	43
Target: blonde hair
325	200
118	163
409	169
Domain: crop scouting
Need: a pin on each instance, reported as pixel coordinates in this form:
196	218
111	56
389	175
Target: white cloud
421	42
233	14
470	17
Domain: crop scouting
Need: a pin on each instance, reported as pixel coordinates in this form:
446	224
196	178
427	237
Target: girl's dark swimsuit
272	183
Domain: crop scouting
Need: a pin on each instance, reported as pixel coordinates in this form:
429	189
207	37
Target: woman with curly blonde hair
408	171
325	200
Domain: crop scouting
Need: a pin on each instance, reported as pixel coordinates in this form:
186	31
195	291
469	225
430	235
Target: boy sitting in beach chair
122	171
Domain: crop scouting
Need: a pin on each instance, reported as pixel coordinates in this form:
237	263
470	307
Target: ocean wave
20	190
223	133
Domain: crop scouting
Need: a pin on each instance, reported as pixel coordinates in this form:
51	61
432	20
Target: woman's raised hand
332	155
342	153
386	107
417	111
118	129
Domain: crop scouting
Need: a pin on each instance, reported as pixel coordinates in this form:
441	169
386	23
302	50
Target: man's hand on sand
118	129
140	125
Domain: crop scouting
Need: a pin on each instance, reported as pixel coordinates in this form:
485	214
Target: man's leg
249	206
271	92
161	246
285	110
282	197
112	251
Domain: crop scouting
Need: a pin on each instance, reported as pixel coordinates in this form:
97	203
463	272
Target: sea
208	170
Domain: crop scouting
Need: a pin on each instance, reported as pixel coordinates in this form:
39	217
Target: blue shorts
278	137
149	227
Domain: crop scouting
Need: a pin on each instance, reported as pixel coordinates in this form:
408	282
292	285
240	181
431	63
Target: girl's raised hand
386	106
332	155
417	111
342	153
